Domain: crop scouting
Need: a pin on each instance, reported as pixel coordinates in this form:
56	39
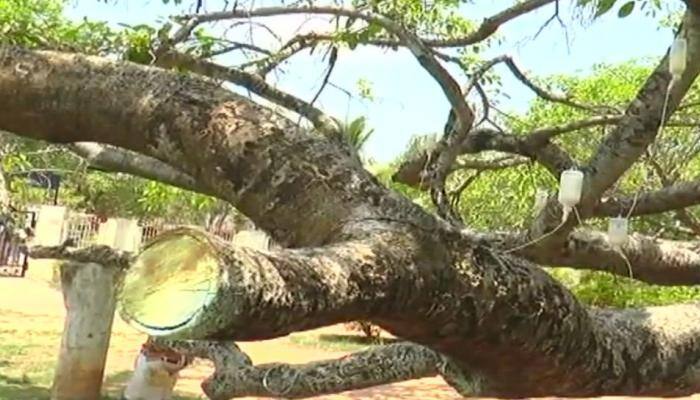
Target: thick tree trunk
383	258
246	154
479	307
89	292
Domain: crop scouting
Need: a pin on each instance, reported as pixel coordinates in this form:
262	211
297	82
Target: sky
406	100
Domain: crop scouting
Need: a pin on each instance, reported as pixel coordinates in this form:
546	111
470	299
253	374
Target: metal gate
14	260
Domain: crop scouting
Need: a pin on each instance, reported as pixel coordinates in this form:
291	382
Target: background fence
54	225
14	260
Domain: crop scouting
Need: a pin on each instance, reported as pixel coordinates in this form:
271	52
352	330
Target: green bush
602	289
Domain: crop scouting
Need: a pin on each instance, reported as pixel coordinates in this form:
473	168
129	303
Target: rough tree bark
235	375
358	250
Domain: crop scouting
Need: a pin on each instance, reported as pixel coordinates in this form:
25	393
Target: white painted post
49	225
89	293
127	230
107	233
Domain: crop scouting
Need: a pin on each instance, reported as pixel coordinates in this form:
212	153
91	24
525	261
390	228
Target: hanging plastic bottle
677	58
570	187
676	66
617	231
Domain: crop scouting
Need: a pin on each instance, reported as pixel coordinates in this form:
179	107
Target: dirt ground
27	304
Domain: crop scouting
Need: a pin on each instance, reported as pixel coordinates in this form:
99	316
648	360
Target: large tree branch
236	376
535	146
209	133
114	159
673	197
654	261
628	141
487	305
651	260
464	116
384	260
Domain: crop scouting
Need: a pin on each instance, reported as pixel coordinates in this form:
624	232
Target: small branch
332	58
486	165
491	24
487	28
456	195
238	46
549	155
681	213
288	50
556	17
543	135
542	92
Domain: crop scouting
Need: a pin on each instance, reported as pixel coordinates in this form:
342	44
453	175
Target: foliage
624	9
41	24
357	133
603	289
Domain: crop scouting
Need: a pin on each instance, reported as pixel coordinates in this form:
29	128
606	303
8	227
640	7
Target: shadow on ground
355	339
21	389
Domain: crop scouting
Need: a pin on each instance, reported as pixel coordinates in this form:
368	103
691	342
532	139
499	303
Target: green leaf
626	9
604	6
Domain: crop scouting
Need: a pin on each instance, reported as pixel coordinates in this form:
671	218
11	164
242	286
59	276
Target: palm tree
356	133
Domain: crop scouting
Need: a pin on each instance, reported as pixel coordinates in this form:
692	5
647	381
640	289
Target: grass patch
28	351
333	342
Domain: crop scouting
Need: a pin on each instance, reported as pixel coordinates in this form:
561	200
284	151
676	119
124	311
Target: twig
331	65
419	50
457	193
542	92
